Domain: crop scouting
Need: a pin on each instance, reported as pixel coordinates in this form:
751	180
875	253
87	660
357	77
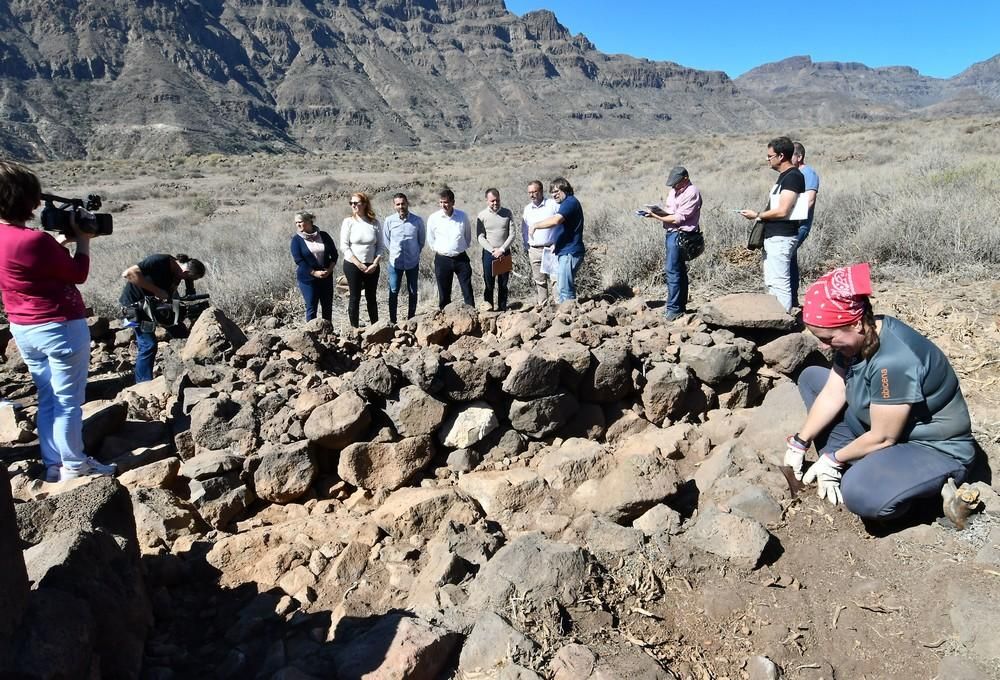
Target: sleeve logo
885	383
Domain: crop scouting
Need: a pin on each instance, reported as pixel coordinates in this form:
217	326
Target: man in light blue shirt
404	235
812	189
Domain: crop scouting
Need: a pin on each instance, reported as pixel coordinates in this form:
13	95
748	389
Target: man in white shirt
449	234
539	208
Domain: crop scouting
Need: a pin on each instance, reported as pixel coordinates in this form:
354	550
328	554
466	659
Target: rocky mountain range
119	78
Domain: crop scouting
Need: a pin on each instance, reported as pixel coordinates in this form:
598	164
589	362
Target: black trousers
356	280
460	266
501	282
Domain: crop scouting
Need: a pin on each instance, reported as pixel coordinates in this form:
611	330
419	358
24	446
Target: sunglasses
357	202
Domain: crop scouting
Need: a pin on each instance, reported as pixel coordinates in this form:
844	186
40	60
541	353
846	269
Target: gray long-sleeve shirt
493	229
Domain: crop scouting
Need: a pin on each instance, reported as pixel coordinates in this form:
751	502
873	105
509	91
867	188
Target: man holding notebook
682	214
495	234
781	220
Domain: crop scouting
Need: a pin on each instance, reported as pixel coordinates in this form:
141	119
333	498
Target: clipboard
502	265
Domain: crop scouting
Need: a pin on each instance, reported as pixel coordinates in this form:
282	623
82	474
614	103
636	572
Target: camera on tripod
58	212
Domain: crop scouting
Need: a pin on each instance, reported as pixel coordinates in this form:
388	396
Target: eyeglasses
771	155
357	203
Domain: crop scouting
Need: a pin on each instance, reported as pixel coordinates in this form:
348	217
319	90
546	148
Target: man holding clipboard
683	213
494	233
781	220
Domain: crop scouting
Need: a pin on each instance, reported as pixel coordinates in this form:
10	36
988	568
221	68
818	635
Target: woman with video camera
38	279
156	276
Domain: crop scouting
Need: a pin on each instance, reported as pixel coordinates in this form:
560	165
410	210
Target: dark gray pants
882	484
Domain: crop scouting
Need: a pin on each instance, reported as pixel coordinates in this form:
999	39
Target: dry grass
915	197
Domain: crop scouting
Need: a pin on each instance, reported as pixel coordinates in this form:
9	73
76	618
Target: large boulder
665	395
82	543
460	318
161	518
574	358
374	379
376	466
414	412
747	310
610	376
788	353
533	570
285	474
423	369
492	645
632	487
733	537
531	375
572	463
499	492
213	339
541	417
711	364
338	423
465	380
223	423
13	577
221	500
414	510
396	646
780	415
468	425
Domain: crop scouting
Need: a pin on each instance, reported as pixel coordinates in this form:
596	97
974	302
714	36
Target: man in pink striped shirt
683	213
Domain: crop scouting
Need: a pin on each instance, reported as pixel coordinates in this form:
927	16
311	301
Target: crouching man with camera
38	279
155	278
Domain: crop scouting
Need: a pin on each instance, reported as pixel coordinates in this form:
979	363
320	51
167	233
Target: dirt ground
842	600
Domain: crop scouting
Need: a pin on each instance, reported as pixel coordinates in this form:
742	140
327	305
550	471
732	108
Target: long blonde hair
369	211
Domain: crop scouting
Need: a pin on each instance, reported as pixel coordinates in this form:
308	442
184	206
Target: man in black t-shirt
157	276
780	229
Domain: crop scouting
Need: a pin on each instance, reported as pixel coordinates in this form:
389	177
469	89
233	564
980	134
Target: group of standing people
888	420
551	232
787	221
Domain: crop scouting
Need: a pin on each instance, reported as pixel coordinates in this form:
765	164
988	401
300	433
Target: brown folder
502	265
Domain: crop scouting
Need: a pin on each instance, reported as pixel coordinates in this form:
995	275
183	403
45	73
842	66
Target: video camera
171	313
57	217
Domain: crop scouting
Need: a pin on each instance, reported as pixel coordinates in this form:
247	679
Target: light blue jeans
566	276
58	356
779	251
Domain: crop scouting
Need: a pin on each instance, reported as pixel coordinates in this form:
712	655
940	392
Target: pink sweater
38	277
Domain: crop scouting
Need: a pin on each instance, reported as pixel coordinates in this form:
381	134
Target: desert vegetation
916	198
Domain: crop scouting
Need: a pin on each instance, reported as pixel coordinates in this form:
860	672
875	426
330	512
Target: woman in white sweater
361	242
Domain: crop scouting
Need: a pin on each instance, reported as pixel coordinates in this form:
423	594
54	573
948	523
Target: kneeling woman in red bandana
889	420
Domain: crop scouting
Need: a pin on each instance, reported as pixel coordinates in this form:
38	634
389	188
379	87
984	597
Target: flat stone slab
748	310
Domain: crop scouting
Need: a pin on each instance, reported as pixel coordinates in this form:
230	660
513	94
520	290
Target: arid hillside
119	79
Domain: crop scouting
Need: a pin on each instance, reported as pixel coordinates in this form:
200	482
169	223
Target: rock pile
484	492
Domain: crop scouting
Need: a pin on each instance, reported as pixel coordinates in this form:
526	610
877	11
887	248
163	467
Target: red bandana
838	298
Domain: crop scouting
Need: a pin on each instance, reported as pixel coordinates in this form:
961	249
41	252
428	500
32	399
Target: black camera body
57	217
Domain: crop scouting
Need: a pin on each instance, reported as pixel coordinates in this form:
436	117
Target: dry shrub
914	198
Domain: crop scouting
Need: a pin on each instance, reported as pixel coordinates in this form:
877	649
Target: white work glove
795	453
826	472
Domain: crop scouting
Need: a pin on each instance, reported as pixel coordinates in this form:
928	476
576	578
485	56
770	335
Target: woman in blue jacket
315	256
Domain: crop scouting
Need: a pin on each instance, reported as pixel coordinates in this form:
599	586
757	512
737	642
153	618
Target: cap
676	175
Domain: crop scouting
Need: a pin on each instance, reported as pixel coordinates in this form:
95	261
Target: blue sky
939	38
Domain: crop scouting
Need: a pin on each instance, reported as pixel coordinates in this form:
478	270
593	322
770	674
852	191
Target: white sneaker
89	467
